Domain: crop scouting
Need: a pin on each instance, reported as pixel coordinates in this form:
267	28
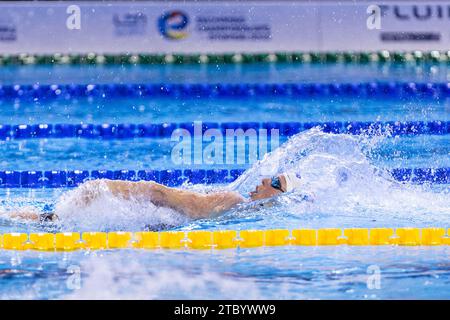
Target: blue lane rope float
164	130
176	177
225	239
105	91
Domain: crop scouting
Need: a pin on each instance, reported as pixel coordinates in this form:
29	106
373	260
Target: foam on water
106	278
337	172
108	212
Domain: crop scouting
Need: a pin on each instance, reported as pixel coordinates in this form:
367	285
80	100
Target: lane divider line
225	239
108	131
228	58
382	90
176	177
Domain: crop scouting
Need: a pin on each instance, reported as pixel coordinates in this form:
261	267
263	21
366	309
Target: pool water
347	175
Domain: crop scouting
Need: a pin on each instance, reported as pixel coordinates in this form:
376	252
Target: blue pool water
367	197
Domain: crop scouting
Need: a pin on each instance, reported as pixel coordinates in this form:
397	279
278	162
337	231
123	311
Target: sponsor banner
386	25
215	27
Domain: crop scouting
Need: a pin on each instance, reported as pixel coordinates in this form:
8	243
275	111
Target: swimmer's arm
196	205
24	215
193	204
32	215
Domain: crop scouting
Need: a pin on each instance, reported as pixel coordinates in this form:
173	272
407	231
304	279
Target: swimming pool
363	195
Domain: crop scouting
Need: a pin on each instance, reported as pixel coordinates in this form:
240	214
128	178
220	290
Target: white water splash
107	278
341	179
108	212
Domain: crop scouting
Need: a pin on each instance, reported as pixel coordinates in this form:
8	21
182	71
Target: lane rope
228	58
164	130
176	177
225	239
406	90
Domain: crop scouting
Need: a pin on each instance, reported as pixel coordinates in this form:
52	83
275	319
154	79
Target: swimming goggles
47	217
276	183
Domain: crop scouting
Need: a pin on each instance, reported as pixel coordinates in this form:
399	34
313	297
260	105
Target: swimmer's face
265	189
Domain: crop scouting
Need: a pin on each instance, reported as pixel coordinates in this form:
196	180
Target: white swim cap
293	180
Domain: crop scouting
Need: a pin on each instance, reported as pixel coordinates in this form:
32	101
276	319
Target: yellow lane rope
225	239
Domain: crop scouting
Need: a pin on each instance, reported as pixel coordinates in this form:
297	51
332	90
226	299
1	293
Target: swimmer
194	205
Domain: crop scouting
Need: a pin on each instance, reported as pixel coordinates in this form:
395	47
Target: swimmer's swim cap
293	180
